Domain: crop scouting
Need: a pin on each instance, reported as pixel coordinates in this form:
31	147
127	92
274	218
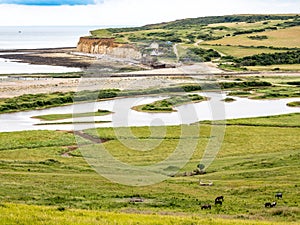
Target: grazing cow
208	206
220	198
270	205
218	202
278	195
273	204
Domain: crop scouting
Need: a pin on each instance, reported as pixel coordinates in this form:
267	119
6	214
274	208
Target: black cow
208	206
270	205
220	198
273	204
278	195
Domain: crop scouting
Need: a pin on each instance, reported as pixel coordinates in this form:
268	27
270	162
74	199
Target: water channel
124	116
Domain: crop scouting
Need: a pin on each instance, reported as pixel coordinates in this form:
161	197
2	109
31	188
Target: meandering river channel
123	115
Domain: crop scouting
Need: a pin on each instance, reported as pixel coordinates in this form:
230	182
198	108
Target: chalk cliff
109	47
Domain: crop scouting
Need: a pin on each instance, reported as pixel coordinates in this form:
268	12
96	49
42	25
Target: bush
290	57
258	37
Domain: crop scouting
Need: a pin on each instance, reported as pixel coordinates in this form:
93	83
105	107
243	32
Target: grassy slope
279	38
238	51
190	31
253	164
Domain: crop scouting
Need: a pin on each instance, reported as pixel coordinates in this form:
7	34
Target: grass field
246	26
279	38
288	120
237	51
282	67
28	215
253	164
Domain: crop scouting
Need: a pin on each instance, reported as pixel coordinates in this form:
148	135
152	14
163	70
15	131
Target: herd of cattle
219	201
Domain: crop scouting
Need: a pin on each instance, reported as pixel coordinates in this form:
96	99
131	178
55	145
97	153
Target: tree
200	168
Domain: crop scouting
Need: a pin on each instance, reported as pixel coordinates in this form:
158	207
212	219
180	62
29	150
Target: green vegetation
294	104
229	100
253	87
276	92
245	84
167	105
249	170
290	57
280	38
72	122
231	67
199	55
228	35
40	101
258	37
288	120
28	215
281	67
34	101
52	117
239	93
241	51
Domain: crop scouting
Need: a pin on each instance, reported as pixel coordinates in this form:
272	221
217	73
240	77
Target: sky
129	12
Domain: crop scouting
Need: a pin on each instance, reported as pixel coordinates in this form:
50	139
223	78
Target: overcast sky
129	12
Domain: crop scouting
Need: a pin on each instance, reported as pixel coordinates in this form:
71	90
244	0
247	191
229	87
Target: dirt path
197	43
89	137
176	52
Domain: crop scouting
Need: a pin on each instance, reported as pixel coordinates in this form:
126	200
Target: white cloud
136	12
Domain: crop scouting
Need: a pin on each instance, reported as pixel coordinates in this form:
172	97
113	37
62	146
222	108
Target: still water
34	37
124	116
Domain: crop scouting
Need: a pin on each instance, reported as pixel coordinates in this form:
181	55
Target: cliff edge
108	47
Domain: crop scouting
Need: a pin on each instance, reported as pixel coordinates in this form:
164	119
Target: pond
124	116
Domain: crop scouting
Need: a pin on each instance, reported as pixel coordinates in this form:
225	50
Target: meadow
281	67
277	38
256	160
239	51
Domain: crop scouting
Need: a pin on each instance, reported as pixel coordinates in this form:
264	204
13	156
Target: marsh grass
52	117
167	105
294	104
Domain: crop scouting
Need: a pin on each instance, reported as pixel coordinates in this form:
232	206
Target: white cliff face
108	46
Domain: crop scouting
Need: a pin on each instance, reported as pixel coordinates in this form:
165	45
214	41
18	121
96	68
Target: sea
35	37
32	37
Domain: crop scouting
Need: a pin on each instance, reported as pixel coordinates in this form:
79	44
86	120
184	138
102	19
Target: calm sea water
33	37
29	37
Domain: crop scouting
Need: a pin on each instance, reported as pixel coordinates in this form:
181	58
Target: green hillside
44	168
230	38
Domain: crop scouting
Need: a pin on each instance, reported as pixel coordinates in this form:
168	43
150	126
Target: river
124	116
